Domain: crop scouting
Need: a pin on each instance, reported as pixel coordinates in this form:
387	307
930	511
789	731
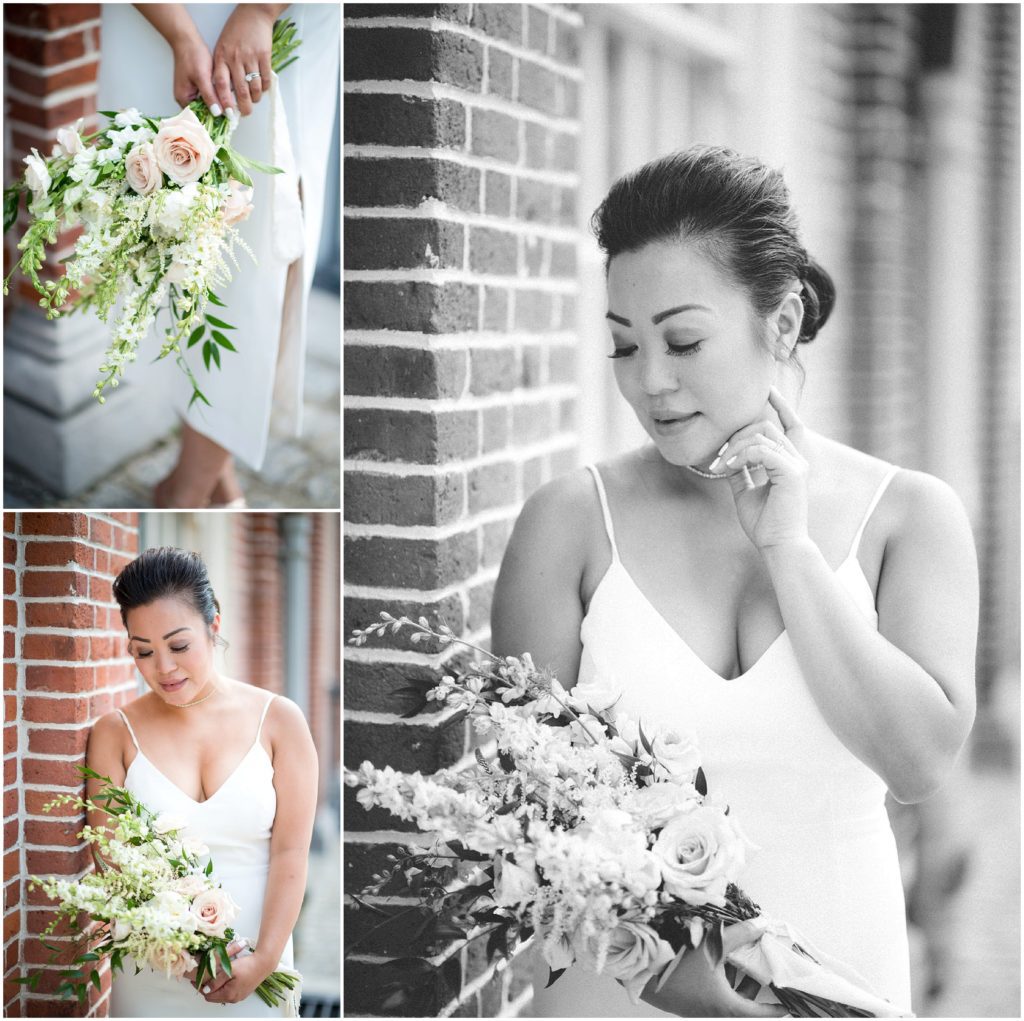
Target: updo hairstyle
735	209
167	573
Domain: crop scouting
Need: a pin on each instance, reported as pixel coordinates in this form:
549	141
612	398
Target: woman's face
687	356
173	649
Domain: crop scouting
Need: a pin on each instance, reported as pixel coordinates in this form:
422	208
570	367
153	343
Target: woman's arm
295	781
105	754
537	605
244	47
193	64
900	698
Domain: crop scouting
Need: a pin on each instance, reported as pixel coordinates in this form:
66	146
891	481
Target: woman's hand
244	48
193	73
247	972
697	988
776	513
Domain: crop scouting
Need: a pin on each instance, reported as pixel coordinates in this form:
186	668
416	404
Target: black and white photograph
681	450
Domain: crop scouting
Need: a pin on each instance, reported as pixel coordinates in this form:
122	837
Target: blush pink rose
172	962
214	911
238	205
141	170
183	148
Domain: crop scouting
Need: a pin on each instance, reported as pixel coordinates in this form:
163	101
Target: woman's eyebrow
659	316
135	638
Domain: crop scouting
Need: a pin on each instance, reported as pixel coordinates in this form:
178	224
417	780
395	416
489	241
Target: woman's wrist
265	962
787	552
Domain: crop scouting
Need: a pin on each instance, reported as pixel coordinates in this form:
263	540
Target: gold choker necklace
188	705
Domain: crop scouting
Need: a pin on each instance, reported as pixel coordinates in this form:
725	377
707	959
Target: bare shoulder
558	519
109	741
108	731
286	718
924	511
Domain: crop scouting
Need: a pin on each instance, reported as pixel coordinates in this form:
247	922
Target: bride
237	764
809	610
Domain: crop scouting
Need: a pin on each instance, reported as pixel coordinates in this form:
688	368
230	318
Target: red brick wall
66	664
324	643
256	652
461	127
51	64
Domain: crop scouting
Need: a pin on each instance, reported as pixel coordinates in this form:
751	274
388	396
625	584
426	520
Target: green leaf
109	113
644	741
215	353
214	299
223	341
94	975
209	867
196	334
198	395
12	199
214	321
263	168
222	953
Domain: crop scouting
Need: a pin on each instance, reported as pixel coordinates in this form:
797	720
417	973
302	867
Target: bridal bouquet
158	200
149	899
590	832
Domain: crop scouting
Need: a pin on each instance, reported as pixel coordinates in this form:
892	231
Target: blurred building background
478	140
66	664
61	448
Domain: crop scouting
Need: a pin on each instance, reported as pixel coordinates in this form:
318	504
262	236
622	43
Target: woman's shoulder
915	505
554	513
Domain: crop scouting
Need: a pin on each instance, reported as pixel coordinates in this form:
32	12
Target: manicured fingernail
721	449
731	459
216	110
748	481
711	467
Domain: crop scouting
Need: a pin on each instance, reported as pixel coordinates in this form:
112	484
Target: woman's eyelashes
673	349
149	652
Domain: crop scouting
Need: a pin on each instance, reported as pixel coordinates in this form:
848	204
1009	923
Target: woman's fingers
243	89
222	84
787	415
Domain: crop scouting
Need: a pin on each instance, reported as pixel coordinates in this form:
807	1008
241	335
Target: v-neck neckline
139	753
616	562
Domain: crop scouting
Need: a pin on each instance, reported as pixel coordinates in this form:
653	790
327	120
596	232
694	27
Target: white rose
167	822
700	852
514	885
141	170
238	205
677	754
69	141
120	930
183	147
598	694
636	954
37	176
175	909
190	886
586	730
172	962
214	911
655	805
194	848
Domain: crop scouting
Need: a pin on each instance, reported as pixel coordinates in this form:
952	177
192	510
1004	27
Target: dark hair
166	572
734	207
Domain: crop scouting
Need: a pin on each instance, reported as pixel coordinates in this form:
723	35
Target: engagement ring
252	75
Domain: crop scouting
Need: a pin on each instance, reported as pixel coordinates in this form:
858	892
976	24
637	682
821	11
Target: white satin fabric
290	128
827	862
235	823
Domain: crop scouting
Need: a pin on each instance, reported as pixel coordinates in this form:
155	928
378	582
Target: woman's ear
788	319
215	624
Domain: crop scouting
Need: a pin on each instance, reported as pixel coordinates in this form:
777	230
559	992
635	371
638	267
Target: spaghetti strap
871	508
263	716
592	468
135	740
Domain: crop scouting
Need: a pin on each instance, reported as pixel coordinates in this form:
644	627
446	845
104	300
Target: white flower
586	730
174	963
599	694
214	911
37	175
127	118
172	208
513	884
194	848
190	886
83	167
634	956
167	822
700	852
238	205
654	806
677	753
120	930
69	141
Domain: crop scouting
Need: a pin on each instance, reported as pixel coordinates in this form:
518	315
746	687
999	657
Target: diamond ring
252	76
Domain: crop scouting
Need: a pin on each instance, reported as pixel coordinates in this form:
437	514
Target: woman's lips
669	425
173	685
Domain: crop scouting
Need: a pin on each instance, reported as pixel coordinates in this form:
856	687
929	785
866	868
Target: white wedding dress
235	822
827	862
265	377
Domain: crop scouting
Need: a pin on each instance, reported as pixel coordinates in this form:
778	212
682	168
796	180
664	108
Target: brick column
324	639
53	428
66	664
461	129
